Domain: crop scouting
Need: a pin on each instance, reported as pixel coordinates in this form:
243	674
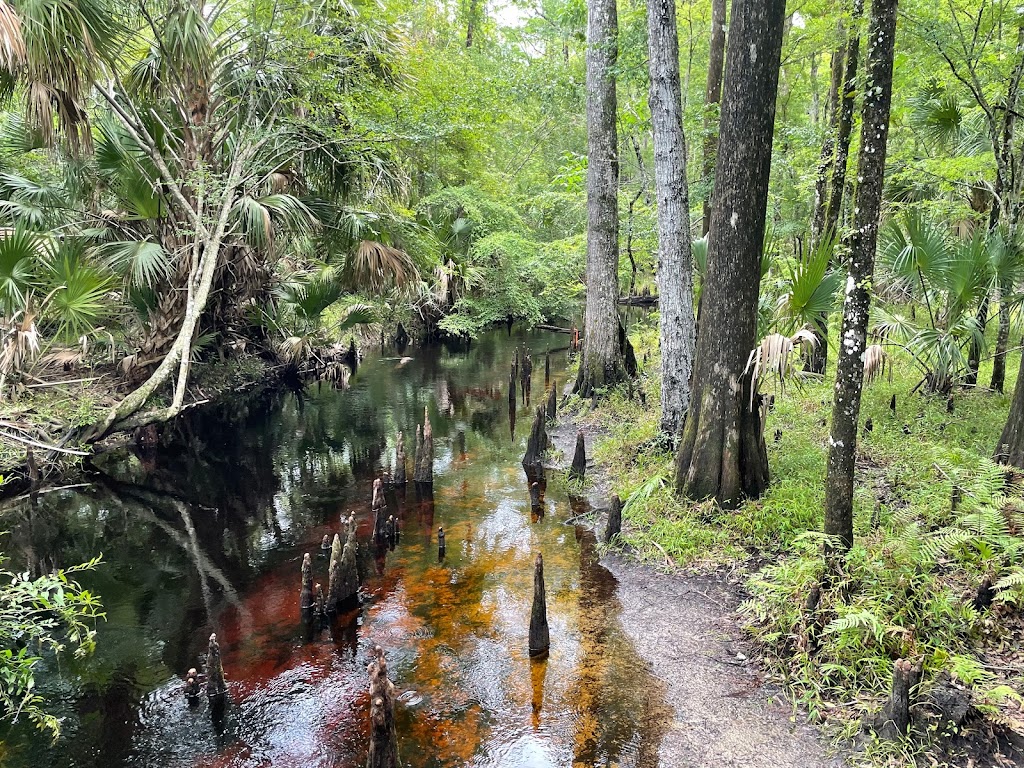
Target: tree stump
536	445
540	640
306	592
553	402
894	720
383	735
579	460
399	459
614	525
424	472
216	688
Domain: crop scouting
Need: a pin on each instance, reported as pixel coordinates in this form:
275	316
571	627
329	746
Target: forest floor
723	593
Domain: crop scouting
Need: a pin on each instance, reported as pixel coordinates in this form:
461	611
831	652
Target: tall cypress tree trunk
817	356
828	147
722	453
602	358
675	278
1002	342
712	96
850	369
845	127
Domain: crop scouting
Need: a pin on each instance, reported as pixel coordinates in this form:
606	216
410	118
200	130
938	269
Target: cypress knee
424	472
547	367
579	460
540	640
306	592
894	720
512	388
383	735
440	543
614	526
536	445
400	459
553	403
379	507
215	685
535	495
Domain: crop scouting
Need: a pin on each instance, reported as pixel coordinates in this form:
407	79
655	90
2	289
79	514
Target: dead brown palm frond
337	373
773	358
295	349
12	44
876	363
20	346
376	266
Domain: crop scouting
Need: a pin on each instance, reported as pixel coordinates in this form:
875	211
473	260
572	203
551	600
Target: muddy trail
207	533
721	710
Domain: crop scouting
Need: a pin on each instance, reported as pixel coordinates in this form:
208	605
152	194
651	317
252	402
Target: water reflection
206	533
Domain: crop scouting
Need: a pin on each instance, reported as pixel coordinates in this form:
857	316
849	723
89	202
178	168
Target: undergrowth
934	518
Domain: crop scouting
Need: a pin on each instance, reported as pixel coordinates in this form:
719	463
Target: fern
860	621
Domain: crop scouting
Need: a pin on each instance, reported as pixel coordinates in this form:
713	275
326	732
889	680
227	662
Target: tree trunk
1010	449
712	96
974	353
722	453
601	364
817	356
1002	341
828	147
868	206
675	273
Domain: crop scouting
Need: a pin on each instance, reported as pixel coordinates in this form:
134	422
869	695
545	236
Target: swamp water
209	536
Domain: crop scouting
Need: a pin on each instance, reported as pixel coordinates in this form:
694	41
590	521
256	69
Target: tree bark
868	206
712	96
722	452
675	274
601	364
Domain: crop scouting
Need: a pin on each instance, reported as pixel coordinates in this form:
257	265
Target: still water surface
208	535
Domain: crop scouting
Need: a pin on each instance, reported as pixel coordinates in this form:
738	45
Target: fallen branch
44	446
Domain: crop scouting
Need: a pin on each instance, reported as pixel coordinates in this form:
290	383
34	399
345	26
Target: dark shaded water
209	536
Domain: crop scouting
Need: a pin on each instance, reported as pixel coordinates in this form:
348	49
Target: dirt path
686	629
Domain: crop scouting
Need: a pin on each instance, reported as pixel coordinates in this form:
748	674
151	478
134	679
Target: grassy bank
934	517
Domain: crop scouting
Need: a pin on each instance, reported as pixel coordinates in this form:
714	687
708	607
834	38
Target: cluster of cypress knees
343	576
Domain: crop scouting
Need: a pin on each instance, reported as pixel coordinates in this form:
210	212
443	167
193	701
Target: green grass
916	564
